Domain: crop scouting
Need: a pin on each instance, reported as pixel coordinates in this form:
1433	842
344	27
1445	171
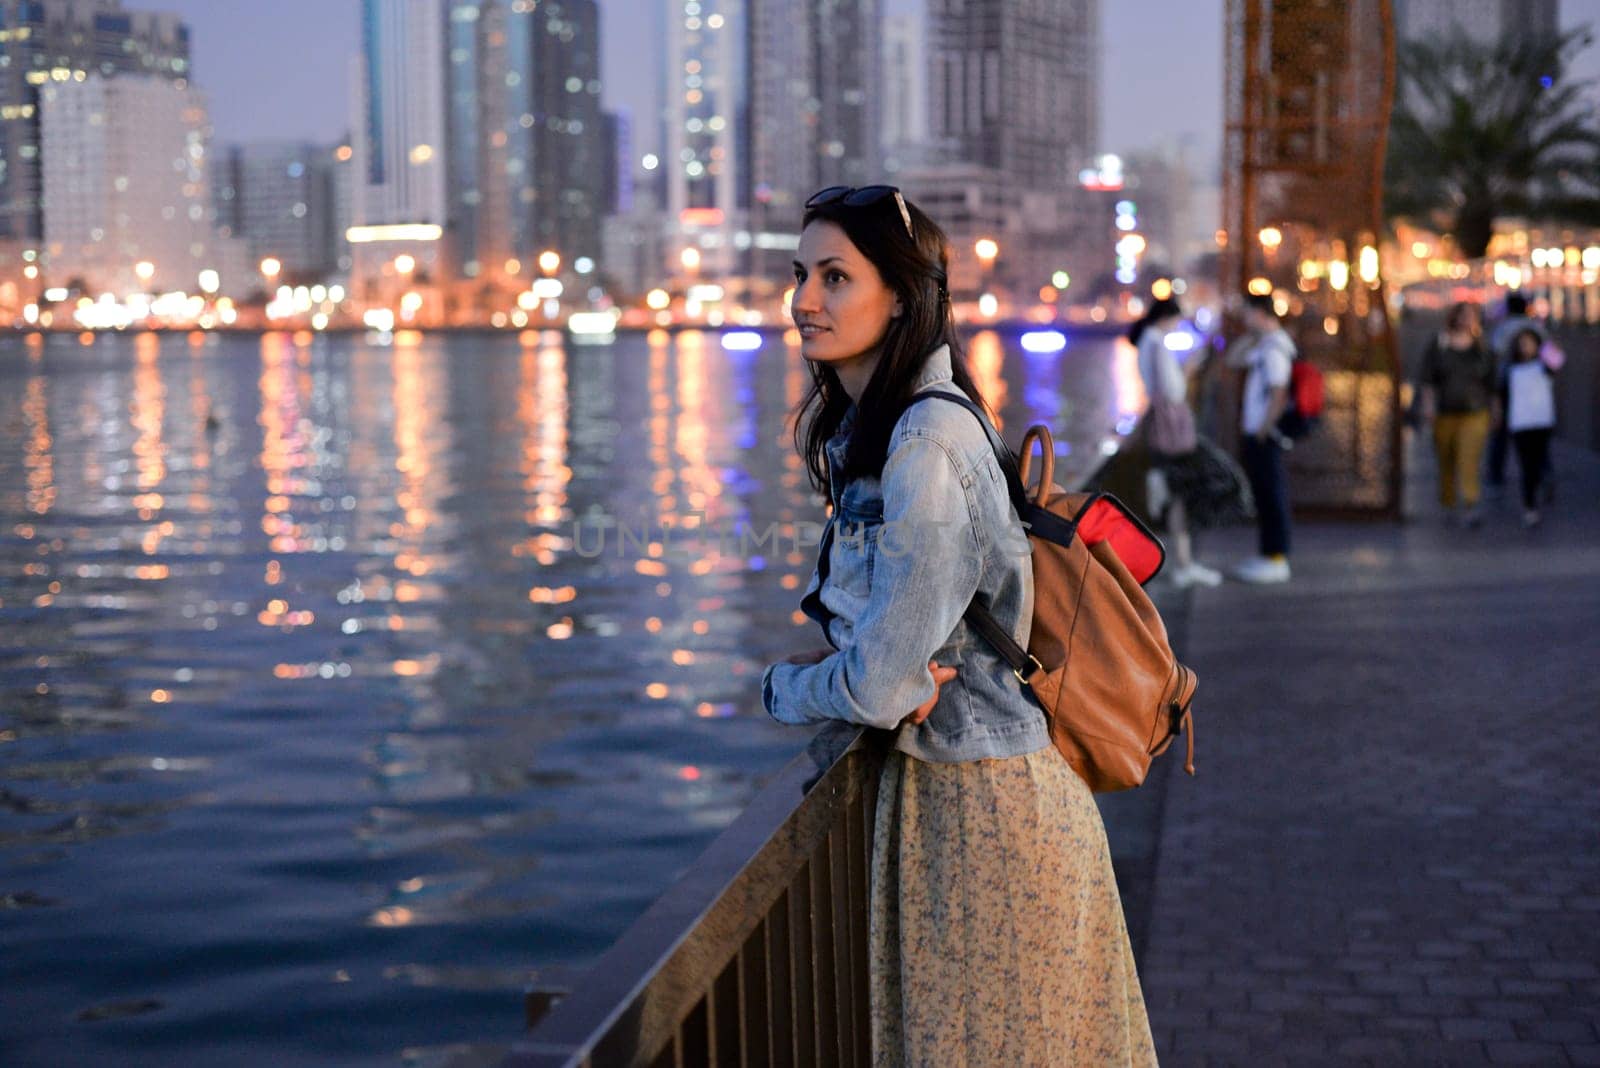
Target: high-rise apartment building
701	117
1485	21
814	99
278	198
53	42
1015	86
400	114
525	132
124	164
905	91
556	52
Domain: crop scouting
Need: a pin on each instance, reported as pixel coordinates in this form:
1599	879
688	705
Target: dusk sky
281	70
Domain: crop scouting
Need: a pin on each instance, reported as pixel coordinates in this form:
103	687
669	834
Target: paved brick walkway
1392	852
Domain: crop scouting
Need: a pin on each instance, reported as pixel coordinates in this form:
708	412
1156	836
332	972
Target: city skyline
474	144
247	104
1140	105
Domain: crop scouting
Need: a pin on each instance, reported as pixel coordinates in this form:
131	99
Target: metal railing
759	954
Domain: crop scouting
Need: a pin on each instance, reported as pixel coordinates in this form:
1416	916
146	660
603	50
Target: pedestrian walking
1515	320
997	934
1170	437
1266	354
1529	402
1457	385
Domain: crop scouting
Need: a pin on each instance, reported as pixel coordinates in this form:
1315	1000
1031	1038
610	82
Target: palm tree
1482	131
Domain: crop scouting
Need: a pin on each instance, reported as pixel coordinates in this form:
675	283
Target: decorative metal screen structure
1309	86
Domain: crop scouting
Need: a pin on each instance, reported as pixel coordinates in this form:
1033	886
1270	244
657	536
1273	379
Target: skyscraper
1015	86
555	51
905	90
124	166
815	93
525	133
701	102
277	196
1485	21
50	42
400	113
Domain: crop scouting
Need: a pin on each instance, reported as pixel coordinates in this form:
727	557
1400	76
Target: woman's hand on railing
941	675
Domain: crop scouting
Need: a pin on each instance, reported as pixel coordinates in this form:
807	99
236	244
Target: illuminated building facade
50	42
905	91
478	137
399	113
124	165
525	132
398	101
554	49
815	93
701	118
1015	86
278	198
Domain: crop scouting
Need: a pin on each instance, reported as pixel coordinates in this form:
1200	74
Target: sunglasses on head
861	197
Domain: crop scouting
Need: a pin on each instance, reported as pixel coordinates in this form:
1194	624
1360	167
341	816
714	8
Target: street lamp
405	264
690	259
210	282
549	261
271	267
145	270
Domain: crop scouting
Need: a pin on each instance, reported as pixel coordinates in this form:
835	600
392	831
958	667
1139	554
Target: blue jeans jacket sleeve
926	569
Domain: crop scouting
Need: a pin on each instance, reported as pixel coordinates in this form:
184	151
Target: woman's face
841	305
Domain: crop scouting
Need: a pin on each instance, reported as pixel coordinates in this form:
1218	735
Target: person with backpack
1266	354
997	933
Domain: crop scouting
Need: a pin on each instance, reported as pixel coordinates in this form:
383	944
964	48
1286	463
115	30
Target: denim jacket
909	549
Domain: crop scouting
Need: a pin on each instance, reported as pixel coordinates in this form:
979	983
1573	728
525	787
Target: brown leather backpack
1098	659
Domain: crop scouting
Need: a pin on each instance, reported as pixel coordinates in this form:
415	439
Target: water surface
321	737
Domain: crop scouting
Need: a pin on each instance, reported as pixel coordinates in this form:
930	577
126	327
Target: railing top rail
640	988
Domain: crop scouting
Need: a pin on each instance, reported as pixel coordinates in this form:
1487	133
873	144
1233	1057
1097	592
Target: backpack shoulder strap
1002	454
978	615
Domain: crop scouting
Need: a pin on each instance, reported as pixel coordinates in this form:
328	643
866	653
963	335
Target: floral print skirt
997	933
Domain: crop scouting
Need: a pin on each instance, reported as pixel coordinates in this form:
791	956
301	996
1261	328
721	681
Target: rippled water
321	737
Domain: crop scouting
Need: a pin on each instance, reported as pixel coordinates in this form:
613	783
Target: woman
997	934
1528	399
1166	383
1456	385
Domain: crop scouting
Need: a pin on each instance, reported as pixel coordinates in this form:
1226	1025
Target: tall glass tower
1016	87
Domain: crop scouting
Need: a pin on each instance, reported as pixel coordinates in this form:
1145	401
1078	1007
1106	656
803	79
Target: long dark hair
918	272
1165	308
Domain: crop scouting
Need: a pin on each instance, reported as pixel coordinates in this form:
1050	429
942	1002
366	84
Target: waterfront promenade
1389	855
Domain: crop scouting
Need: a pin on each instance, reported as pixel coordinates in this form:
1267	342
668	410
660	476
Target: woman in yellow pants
1457	385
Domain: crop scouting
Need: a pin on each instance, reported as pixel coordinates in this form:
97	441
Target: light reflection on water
319	739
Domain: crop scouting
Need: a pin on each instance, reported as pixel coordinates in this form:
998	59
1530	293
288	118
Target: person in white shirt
1267	354
1515	321
1166	382
1529	403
